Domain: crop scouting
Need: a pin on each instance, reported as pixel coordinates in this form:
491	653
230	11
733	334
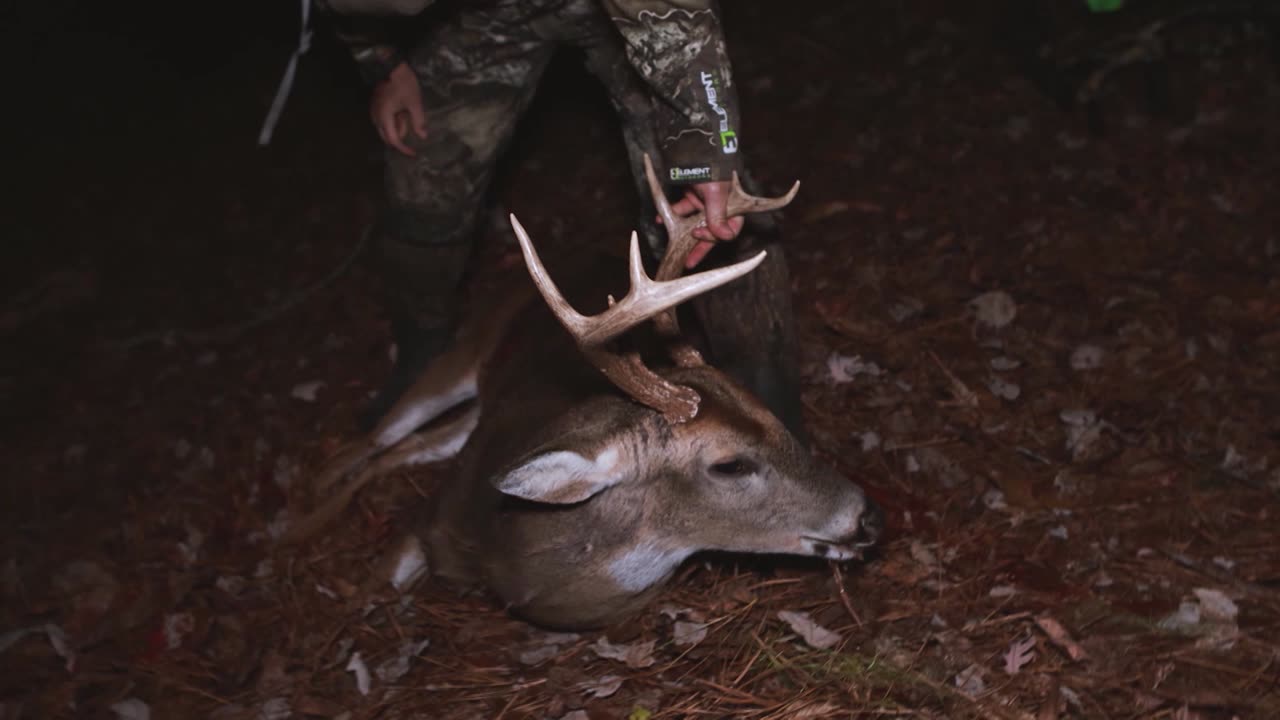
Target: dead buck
575	502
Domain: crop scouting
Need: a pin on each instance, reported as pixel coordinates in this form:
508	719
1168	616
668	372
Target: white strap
286	83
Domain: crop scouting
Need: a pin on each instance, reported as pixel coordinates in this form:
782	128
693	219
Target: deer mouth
852	548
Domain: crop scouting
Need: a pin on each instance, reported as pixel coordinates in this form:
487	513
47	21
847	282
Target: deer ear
562	477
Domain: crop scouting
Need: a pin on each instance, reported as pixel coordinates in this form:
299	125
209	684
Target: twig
931	442
838	577
963	395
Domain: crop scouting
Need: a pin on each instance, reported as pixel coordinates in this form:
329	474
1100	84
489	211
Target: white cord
286	83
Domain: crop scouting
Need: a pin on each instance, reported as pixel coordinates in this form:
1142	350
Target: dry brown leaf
635	655
814	635
1060	637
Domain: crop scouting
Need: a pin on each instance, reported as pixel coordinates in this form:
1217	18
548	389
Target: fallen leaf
1002	591
306	391
994	309
843	369
905	309
409	566
230	584
1002	388
176	627
544	646
538	654
58	639
275	709
601	687
1087	357
922	554
1183	619
397	667
1020	653
994	499
689	633
1004	363
636	655
675	613
357	667
970	681
132	709
1060	637
814	635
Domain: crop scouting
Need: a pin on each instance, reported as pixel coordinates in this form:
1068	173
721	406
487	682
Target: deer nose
870	525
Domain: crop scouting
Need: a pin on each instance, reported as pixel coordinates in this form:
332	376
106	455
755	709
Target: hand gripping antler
681	241
645	299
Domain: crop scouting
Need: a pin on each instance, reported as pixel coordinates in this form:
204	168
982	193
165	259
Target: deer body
573	502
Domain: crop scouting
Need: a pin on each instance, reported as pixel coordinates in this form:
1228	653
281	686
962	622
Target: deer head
604	499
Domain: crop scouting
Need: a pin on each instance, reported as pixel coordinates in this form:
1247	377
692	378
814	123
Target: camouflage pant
478	71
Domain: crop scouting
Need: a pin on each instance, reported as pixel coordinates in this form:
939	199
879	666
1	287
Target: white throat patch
645	564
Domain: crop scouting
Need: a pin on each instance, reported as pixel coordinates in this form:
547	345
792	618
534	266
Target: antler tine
680	240
643	300
572	320
741	203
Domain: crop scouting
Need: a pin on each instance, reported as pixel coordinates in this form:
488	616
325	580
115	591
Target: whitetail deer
574	502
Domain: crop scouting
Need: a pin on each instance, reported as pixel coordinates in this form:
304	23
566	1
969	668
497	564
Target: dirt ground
1044	338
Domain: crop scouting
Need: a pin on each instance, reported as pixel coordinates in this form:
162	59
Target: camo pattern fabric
666	71
679	50
676	47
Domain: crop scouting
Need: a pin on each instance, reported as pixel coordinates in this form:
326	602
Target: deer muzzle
865	533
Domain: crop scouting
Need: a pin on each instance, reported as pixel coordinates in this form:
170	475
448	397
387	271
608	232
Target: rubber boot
416	347
423	295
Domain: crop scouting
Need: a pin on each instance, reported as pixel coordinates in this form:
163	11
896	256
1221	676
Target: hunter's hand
711	198
396	108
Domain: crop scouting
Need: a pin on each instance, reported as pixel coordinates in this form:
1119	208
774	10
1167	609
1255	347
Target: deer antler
681	241
645	299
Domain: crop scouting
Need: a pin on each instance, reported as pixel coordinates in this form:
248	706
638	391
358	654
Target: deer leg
432	445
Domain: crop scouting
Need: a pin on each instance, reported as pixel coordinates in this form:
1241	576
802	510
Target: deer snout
849	536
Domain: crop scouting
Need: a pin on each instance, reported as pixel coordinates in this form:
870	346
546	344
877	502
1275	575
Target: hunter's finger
396	131
687	205
696	255
718	224
418	117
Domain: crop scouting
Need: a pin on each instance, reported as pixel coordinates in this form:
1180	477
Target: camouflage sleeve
678	48
368	40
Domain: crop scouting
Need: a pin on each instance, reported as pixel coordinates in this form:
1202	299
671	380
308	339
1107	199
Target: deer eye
733	467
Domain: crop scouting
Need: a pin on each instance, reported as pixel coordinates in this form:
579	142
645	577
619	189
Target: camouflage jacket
676	46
